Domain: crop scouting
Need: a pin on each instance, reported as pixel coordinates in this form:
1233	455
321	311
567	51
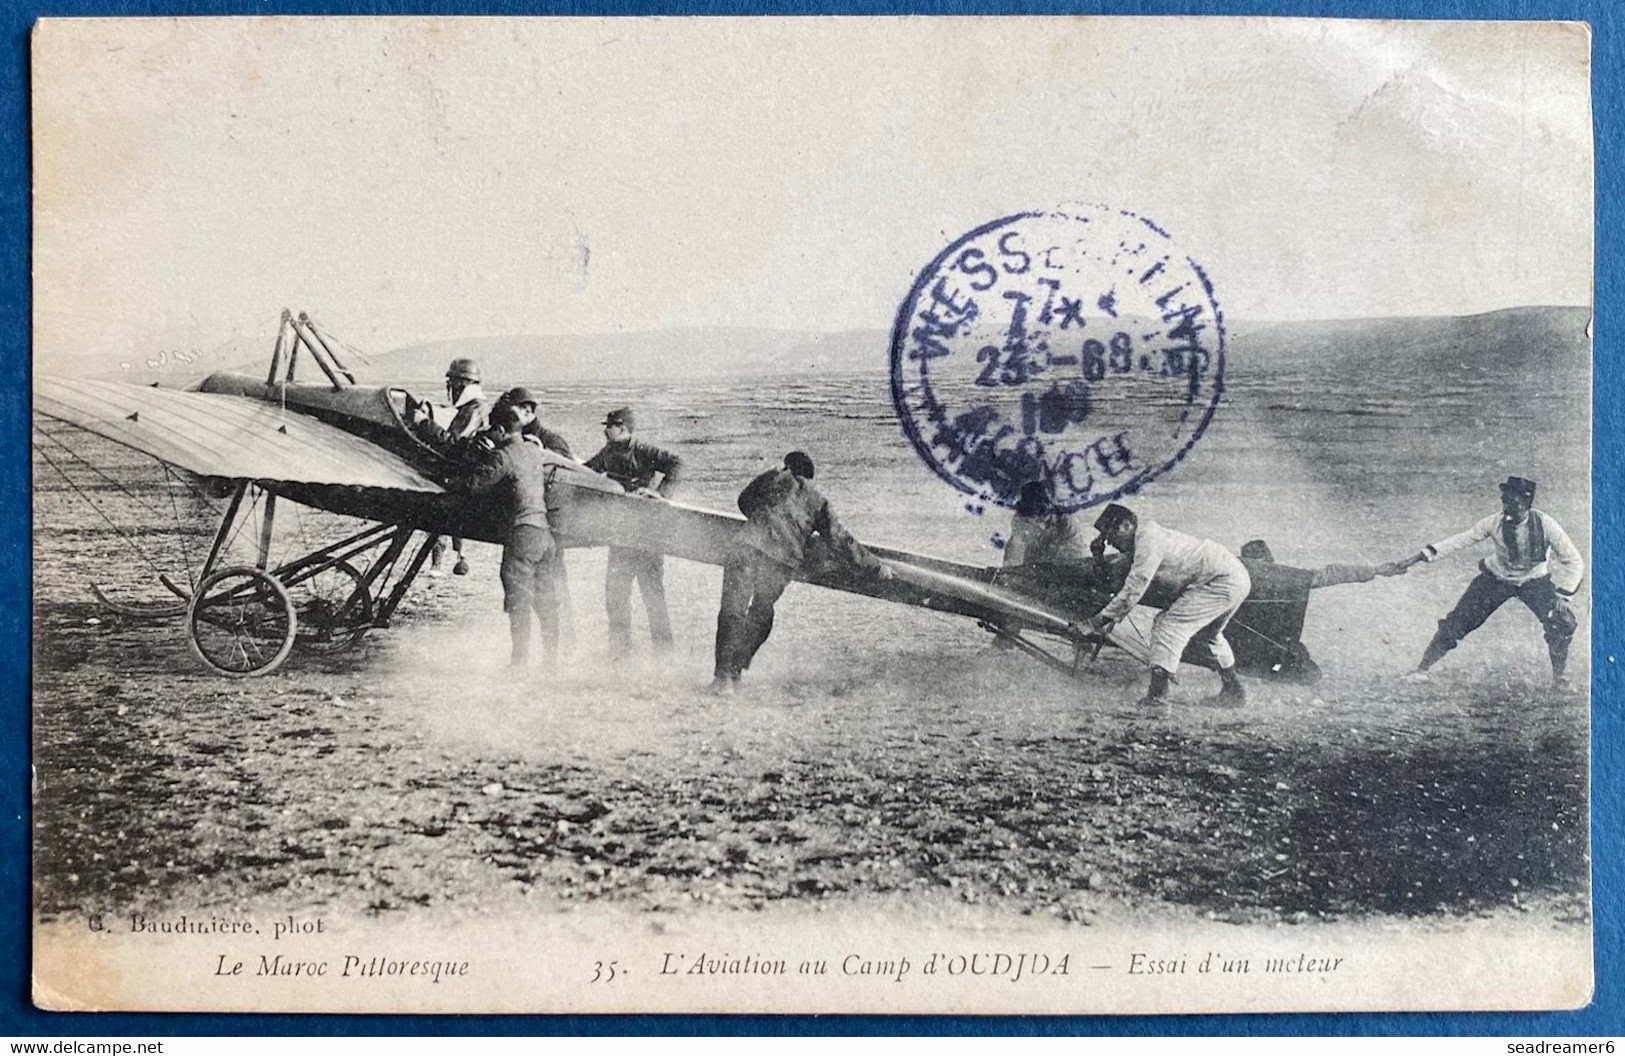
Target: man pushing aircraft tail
783	512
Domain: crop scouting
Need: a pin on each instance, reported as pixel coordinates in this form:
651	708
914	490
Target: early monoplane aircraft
351	449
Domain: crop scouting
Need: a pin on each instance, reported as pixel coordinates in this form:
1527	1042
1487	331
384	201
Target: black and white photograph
811	515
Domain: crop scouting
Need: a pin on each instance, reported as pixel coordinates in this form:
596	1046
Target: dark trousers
1484	595
561	586
649	572
527	586
750	586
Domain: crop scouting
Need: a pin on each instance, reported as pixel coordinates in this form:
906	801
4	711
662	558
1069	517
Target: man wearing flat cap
1534	561
784	513
532	427
531	430
516	481
1211	583
641	469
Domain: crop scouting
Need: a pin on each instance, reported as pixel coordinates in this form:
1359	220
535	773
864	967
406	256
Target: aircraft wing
216	435
597	517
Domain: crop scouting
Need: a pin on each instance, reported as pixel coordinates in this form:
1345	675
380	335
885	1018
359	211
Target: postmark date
1083	349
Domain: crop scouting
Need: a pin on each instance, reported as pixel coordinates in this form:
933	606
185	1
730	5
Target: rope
77	457
350	349
1143	639
1140	639
299	526
1131	647
169	489
169	477
1254	630
243	521
198	493
142	554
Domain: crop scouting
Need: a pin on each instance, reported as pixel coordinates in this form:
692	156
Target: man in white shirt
1211	583
1040	534
1534	561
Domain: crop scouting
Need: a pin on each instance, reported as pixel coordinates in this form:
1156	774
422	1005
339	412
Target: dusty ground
412	775
879	755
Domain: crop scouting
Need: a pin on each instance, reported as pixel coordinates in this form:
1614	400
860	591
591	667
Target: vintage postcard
977	515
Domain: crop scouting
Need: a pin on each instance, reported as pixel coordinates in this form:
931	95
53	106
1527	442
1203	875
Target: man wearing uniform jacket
533	431
783	511
635	467
525	402
516	478
1334	575
1211	581
1534	561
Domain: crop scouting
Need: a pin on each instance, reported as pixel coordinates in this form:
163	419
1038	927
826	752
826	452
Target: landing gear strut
244	620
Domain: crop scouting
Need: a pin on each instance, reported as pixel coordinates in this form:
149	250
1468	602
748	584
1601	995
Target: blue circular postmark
1081	348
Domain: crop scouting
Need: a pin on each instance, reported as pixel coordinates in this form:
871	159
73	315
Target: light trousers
1200	614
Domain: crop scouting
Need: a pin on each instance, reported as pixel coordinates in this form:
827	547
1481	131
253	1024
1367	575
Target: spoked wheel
241	622
334	609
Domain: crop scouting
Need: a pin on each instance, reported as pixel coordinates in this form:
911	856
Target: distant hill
1512	341
662	354
1508	338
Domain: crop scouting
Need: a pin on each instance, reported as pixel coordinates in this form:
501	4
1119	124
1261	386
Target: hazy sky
413	180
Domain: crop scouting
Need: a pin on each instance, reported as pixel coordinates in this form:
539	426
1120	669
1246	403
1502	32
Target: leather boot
1435	651
1559	653
1156	694
1233	695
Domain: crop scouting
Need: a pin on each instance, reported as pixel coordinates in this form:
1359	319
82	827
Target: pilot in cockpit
468	410
469	418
